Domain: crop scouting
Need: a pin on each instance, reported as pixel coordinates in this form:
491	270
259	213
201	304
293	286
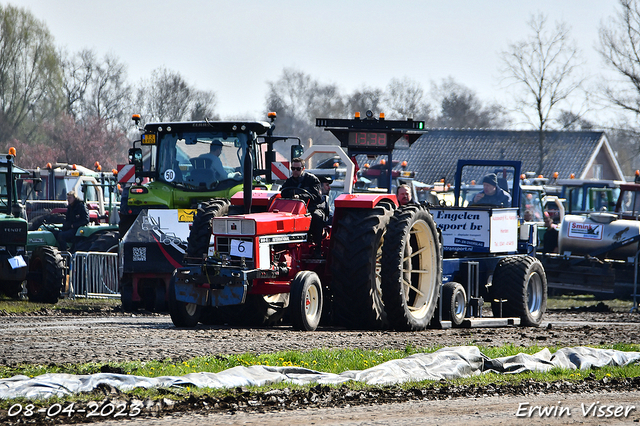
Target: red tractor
259	267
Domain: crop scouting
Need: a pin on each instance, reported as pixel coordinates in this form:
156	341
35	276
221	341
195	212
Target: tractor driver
491	194
403	193
315	205
219	173
77	216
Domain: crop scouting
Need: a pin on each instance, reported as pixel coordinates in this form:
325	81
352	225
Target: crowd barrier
94	275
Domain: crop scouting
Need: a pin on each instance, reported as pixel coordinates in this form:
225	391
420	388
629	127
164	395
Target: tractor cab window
3	185
602	199
628	201
574	197
630	204
499	183
531	205
90	192
202	159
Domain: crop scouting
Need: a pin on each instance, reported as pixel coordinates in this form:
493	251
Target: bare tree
571	121
77	71
301	97
364	99
299	100
168	97
461	108
29	73
203	106
110	95
406	98
620	48
96	88
164	97
544	67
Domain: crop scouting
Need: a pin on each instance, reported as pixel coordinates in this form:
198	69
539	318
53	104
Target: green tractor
185	174
43	270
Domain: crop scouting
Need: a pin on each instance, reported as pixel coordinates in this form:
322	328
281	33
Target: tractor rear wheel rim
534	293
420	265
459	304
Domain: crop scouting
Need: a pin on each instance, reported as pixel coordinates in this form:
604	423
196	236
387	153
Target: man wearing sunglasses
315	202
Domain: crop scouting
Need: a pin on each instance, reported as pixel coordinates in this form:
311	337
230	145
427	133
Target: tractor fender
363	201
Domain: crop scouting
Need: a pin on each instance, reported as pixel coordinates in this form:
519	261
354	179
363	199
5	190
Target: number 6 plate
241	249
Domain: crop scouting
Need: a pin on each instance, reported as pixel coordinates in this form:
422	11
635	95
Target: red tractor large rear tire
355	265
411	269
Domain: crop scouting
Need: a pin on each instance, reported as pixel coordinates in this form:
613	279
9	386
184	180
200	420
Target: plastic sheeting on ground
444	364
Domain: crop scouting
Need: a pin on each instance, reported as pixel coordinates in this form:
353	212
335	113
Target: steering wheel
295	190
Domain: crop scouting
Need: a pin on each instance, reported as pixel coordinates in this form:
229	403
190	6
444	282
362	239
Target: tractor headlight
234	227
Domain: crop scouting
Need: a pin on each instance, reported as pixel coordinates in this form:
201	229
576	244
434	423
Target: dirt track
60	339
112	336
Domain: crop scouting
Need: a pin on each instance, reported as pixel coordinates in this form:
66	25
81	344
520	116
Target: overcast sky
234	47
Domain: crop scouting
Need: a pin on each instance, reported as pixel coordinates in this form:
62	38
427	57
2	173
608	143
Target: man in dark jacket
77	216
315	202
492	194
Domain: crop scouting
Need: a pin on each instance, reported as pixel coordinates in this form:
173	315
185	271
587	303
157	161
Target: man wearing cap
492	194
325	189
219	173
315	205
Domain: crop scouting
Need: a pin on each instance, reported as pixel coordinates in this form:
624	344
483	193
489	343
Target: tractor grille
223	247
13	232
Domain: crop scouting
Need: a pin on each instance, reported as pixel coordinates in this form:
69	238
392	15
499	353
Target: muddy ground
109	335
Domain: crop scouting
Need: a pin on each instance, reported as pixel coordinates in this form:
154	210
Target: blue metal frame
517	165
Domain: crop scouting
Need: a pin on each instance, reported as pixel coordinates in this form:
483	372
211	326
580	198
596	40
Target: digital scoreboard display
367	140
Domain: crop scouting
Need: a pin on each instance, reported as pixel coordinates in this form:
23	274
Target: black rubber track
397	242
200	235
510	282
357	302
47	267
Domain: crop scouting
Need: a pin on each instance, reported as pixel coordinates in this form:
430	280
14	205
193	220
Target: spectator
325	189
550	239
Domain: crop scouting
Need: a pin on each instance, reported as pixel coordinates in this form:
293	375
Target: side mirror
37	184
37	181
296	151
135	158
